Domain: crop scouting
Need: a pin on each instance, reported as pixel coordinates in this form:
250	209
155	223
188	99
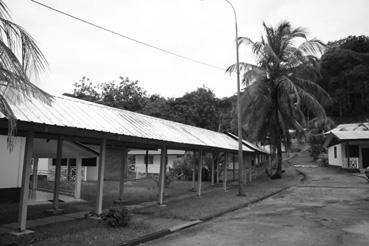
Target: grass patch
80	232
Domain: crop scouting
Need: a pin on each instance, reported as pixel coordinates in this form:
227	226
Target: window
335	152
150	160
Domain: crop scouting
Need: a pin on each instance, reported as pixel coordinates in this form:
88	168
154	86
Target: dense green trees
345	75
20	63
281	87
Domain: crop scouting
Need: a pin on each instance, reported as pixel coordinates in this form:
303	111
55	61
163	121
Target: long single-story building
348	146
67	119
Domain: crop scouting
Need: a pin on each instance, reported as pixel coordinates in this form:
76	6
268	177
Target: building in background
348	146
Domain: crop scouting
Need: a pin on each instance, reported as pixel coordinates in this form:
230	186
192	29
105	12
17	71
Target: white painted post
100	180
34	174
233	166
212	168
28	152
59	152
163	159
194	170
225	172
217	169
199	175
244	168
78	184
146	159
123	169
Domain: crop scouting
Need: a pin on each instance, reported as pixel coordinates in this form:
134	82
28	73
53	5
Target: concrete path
330	208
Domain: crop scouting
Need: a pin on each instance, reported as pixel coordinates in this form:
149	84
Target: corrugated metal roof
70	112
351	127
249	144
351	135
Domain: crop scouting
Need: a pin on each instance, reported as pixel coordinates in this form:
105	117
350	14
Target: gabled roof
361	126
78	114
347	132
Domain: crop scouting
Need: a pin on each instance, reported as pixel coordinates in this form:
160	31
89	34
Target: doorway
365	155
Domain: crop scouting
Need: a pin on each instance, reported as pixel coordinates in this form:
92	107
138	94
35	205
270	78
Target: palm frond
245	40
288	88
244	67
314	89
7	111
253	75
311	104
21	61
313	47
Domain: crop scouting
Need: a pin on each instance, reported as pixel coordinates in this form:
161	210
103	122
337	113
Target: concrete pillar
34	174
28	152
348	154
163	159
123	170
233	166
217	168
100	180
244	167
147	162
199	175
225	172
194	170
78	183
59	153
212	168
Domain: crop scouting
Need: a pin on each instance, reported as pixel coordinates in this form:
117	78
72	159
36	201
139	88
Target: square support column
244	168
163	160
217	168
147	162
194	170
225	172
199	175
233	166
100	180
212	168
59	153
34	174
78	184
123	175
23	201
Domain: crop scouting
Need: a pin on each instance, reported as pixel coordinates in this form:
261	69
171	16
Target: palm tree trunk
278	140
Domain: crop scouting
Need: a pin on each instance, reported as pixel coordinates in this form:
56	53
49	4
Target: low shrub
116	217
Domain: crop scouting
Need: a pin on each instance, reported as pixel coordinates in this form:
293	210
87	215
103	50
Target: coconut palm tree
280	88
20	62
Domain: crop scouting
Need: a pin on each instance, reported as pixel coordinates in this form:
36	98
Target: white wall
152	168
43	165
92	172
340	155
341	159
11	163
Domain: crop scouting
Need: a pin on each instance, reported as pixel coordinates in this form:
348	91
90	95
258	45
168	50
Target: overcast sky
200	29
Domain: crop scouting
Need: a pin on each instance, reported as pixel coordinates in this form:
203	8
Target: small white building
148	161
348	146
44	151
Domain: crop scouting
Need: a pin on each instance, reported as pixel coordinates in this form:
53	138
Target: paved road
330	208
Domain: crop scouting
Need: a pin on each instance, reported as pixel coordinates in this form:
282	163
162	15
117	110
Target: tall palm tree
20	62
280	88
